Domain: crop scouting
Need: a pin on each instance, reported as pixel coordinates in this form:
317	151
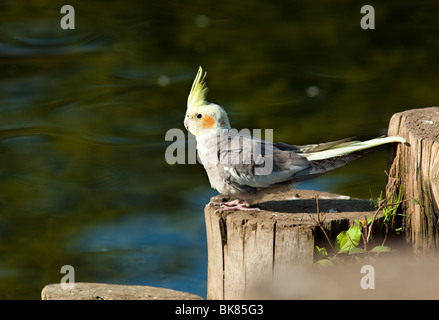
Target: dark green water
84	113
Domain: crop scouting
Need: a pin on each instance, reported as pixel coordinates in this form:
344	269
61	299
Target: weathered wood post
415	169
246	249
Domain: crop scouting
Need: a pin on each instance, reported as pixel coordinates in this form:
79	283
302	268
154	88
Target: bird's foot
233	205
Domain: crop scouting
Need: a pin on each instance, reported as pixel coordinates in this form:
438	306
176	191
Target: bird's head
200	114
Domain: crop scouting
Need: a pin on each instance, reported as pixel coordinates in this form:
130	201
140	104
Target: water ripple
75	173
42	38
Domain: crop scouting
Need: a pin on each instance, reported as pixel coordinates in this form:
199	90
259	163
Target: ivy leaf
324	263
356	250
380	249
348	239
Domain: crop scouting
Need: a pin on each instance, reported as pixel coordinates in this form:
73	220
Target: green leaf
348	239
322	251
356	250
324	263
380	249
340	241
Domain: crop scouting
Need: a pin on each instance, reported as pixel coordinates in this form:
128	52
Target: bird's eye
198	115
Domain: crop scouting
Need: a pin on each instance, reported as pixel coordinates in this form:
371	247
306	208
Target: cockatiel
244	168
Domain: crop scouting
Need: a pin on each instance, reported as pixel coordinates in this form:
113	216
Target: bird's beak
186	122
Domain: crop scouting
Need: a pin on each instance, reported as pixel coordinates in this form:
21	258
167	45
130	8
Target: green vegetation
356	241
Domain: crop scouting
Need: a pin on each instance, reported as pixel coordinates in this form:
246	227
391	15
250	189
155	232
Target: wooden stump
104	291
246	249
415	169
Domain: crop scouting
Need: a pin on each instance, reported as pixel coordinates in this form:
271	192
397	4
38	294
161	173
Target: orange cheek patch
208	122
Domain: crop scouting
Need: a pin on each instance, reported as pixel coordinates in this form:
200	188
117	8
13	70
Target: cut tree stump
415	169
103	291
246	249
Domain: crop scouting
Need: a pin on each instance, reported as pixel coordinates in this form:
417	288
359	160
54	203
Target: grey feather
231	161
323	146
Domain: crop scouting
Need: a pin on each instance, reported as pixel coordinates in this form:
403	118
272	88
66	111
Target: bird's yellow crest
197	96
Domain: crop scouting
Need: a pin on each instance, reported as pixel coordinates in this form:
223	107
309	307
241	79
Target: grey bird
244	168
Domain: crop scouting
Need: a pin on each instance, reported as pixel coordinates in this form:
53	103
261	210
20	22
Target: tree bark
414	168
248	249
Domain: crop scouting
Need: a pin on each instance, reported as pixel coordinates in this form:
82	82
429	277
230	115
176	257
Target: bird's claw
234	205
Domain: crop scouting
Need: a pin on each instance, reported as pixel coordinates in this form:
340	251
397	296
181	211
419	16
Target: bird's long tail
346	148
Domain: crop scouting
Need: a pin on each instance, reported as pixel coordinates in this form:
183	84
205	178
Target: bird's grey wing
319	167
249	164
313	147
